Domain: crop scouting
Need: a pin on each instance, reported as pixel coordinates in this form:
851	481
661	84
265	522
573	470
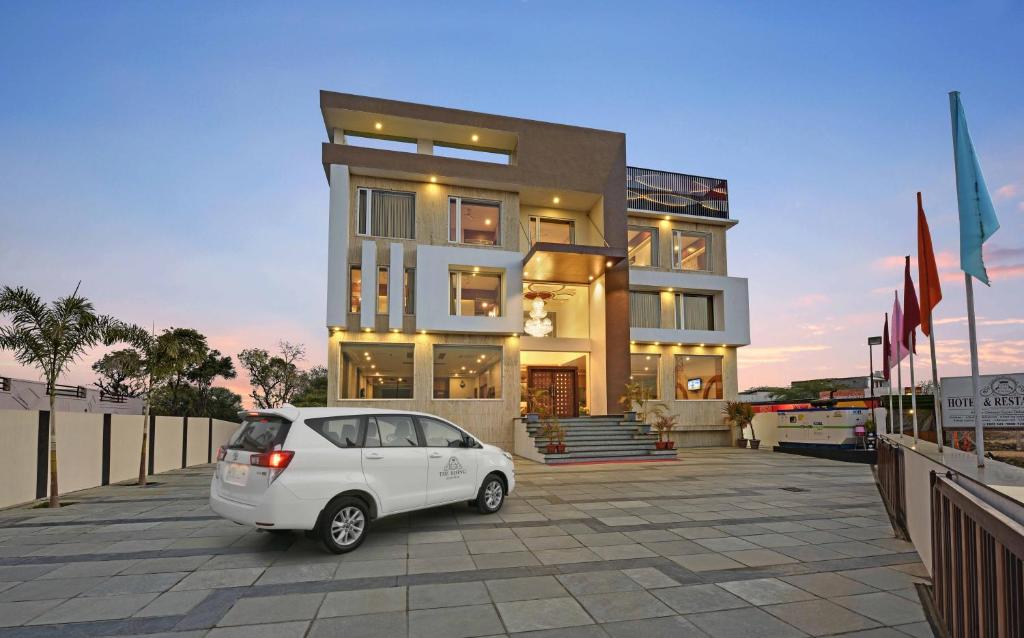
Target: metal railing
110	397
73	391
891	482
676	193
977	563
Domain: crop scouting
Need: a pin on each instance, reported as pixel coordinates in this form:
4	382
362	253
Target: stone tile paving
709	546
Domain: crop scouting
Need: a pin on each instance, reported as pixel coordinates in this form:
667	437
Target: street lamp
872	342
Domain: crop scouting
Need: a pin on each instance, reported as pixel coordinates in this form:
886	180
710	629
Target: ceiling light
679	345
475	138
476	268
632	343
590	278
373	367
671	289
608	263
702	345
367	329
433	179
483	304
526	274
487	222
666	217
463	367
423	332
723	345
556	200
378	126
366	354
657	343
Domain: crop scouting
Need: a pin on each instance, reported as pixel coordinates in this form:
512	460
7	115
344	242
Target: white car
334	470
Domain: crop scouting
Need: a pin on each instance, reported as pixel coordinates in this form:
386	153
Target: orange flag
927	272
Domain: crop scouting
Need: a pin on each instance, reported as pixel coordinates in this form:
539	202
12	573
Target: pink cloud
812	299
943	259
1008	191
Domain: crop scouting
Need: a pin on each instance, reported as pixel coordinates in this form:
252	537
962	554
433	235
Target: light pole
872	342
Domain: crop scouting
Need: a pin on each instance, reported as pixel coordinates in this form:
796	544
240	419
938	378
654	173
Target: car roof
294	414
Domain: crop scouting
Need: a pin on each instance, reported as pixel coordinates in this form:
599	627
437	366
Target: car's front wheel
491	496
344	525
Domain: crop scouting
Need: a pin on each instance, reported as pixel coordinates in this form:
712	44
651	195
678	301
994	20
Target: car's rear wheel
344	525
491	496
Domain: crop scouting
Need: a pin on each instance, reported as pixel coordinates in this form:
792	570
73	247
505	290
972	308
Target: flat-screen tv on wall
693	384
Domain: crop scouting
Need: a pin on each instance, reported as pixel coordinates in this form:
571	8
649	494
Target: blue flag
977	216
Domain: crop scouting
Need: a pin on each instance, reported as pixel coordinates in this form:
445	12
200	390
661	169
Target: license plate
236	474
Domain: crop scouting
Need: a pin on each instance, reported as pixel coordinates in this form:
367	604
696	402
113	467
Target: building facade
474	258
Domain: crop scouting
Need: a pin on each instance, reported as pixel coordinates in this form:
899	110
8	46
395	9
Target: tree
202	375
189	352
119	373
50	338
219	403
162	357
275	379
223	404
314	389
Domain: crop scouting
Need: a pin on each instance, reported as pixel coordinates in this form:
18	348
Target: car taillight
221	453
273	460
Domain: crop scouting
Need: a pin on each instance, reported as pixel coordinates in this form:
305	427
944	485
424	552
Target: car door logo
453	469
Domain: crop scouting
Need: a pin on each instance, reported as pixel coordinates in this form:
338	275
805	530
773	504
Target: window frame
501	371
657	371
409	292
655	253
351	293
459	239
362	344
535	222
455	301
420	441
677	261
386	270
368	191
675	371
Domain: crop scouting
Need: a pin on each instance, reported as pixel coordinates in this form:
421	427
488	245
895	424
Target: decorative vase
629	415
532	417
755	444
742	443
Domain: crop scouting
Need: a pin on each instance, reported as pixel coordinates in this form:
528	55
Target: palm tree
161	357
50	338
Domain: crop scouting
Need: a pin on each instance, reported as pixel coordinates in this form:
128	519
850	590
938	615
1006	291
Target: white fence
98	449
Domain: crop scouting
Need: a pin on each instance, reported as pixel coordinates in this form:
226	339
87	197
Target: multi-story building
474	257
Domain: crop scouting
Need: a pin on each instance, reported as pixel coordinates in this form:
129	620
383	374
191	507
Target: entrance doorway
561	385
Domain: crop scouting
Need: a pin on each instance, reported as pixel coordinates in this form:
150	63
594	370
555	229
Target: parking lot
722	543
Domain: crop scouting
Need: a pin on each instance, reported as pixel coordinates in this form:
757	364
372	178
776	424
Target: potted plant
742	415
634	394
538	401
555	434
664	424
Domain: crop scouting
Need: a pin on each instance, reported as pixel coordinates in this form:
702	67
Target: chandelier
538	325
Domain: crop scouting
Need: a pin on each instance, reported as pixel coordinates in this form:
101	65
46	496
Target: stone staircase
605	438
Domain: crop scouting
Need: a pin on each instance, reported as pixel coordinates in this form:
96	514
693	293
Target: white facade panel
736	307
396	286
337	247
433	263
368	291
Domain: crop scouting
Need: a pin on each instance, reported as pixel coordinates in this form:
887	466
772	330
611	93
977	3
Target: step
592	430
605	459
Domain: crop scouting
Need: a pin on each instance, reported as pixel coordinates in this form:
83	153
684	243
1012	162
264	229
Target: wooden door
560	384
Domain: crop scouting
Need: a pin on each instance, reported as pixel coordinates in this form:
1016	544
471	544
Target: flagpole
899	388
979	436
892	430
913	390
936	391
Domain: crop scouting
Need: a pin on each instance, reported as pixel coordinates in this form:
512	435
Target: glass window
567	307
440	434
475	294
552	230
376	371
386	214
694	312
690	251
355	289
341	431
259	434
467	372
644	309
382	290
394	430
472	221
642	246
409	301
643	369
698	377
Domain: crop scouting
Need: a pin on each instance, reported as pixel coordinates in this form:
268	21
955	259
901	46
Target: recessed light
423	332
476	268
556	200
526	274
433	179
590	278
702	345
657	343
679	345
378	126
632	343
487	222
475	138
671	289
608	264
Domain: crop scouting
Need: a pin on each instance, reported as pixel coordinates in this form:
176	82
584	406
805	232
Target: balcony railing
675	193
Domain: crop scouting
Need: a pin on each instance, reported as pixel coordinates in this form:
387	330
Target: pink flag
899	349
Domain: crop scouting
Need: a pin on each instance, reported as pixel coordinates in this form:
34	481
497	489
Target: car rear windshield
259	434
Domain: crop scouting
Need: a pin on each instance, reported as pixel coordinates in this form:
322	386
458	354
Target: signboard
1002	402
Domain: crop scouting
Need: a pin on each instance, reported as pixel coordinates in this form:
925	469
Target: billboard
1002	402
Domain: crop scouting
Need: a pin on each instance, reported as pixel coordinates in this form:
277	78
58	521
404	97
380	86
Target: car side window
396	430
440	434
372	434
341	431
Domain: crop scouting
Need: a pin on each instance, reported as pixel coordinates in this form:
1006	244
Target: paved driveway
724	543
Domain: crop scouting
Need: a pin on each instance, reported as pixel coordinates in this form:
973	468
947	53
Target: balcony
654	191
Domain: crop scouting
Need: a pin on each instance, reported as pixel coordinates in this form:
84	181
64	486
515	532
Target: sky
168	154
